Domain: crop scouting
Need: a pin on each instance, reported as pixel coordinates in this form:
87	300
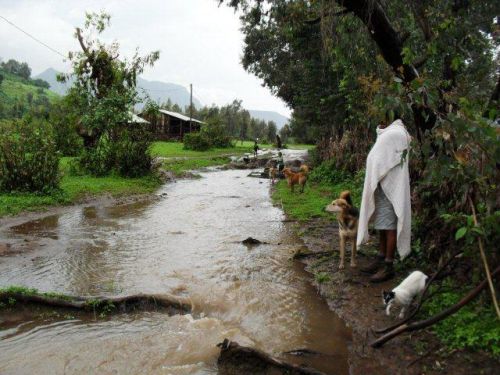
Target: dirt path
359	304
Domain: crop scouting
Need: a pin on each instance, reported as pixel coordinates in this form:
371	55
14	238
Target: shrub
327	172
29	160
126	153
196	142
64	121
131	152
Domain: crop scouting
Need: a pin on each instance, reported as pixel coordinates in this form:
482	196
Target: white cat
404	293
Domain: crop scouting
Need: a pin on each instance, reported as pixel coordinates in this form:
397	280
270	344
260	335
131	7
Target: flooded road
187	243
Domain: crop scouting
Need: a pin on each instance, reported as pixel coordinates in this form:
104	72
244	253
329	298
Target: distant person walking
280	162
255	149
386	197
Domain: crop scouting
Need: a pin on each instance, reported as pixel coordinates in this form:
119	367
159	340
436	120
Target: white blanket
387	164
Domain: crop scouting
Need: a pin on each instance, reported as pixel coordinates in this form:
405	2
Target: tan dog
295	178
347	217
273	172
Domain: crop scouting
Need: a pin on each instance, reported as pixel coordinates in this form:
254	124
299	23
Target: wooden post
190	107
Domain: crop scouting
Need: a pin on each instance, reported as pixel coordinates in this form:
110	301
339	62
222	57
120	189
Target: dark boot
374	265
386	273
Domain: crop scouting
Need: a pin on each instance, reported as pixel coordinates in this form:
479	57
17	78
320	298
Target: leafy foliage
341	65
196	142
103	95
29	160
472	327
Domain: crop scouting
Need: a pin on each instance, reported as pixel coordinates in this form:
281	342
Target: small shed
172	125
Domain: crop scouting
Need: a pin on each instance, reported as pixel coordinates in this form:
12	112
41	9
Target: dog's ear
387	296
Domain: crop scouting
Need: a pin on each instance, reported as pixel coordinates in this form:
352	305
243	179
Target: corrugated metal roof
179	116
137	120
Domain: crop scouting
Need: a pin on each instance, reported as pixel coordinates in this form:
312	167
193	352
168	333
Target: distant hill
18	95
158	91
279	119
49	76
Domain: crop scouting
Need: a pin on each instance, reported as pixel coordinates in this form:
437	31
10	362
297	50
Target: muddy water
186	243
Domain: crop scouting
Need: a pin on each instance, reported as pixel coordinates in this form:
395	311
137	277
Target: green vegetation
176	149
179	166
320	190
29	292
29	161
19	96
322	277
102	98
75	188
473	327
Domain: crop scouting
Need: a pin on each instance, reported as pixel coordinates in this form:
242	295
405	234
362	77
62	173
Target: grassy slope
14	87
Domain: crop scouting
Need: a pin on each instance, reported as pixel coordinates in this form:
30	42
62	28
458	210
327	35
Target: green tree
272	130
103	95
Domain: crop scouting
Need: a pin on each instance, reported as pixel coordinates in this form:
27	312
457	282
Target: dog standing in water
404	293
347	217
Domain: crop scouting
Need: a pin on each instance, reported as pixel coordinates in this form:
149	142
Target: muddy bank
359	303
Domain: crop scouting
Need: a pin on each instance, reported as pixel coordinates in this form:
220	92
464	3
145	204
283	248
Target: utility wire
34	38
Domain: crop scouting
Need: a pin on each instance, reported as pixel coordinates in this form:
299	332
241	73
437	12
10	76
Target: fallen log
240	360
107	304
409	327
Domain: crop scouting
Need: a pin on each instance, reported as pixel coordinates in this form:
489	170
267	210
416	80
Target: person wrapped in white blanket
386	197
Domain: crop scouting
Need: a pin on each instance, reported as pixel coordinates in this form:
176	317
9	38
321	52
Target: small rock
251	241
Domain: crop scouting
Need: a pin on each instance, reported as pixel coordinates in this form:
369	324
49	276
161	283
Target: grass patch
179	166
474	327
311	203
322	277
74	188
176	149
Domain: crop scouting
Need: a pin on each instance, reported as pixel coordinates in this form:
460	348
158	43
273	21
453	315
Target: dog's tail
346	194
304	169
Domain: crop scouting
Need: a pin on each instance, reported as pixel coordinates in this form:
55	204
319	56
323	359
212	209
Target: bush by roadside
29	160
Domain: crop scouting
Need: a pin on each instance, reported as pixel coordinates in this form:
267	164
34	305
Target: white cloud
200	43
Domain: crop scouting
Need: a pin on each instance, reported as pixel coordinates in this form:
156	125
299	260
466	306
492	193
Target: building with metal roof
172	125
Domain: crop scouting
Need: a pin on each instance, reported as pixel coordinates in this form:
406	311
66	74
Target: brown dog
347	217
273	172
295	178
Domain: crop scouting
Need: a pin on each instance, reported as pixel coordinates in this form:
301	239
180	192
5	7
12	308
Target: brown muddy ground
359	304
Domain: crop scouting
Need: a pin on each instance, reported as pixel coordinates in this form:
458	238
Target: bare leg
391	239
382	243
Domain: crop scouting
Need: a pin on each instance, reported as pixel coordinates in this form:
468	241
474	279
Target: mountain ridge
160	92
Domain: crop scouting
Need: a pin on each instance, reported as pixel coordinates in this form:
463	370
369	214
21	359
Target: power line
34	38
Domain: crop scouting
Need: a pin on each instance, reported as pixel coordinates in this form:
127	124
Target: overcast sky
199	42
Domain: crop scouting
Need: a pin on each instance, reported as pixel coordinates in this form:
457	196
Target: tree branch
80	40
371	13
483	258
436	318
